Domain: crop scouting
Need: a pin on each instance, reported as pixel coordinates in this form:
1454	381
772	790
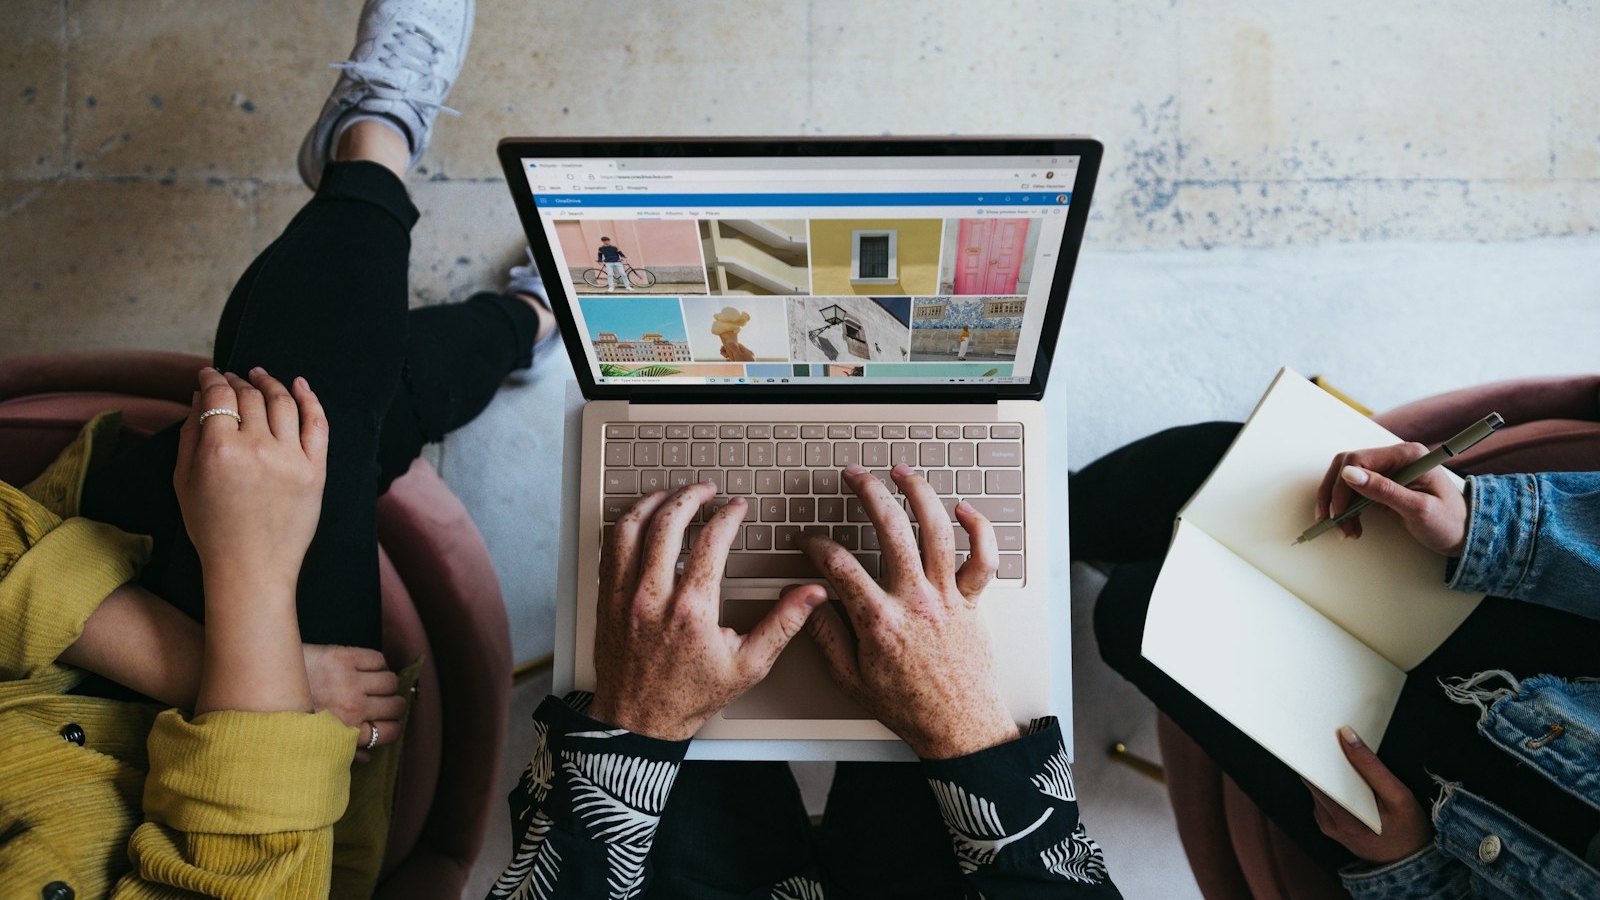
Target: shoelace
409	47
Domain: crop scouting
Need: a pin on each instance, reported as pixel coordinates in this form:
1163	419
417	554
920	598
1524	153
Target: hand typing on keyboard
920	658
663	665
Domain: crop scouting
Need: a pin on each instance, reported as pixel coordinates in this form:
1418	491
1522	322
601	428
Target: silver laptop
763	313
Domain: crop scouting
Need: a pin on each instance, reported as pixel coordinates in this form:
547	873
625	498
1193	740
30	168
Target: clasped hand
919	658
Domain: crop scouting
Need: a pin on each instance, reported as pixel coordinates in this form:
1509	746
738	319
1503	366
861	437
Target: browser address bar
725	176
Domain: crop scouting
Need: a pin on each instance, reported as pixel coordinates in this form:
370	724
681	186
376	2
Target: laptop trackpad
799	685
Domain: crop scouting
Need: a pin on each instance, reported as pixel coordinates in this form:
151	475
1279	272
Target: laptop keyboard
790	474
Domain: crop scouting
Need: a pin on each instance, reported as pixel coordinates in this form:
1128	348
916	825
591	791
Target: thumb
1389	790
781	623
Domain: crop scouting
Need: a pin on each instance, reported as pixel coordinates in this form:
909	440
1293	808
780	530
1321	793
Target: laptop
762	313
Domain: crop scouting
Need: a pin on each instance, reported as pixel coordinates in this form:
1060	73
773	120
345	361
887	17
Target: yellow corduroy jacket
106	798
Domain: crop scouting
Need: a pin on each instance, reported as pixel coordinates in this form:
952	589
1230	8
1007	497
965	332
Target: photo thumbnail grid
768	300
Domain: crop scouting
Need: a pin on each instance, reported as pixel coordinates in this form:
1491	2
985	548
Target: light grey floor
1152	339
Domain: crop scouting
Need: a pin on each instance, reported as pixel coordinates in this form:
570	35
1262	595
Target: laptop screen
872	268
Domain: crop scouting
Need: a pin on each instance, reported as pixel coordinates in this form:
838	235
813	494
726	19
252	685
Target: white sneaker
406	58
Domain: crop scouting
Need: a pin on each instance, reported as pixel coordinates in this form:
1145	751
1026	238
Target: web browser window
780	270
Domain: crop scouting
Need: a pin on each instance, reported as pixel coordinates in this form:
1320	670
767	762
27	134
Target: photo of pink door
989	255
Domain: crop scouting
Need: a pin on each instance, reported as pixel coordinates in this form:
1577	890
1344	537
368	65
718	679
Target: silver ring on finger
373	741
221	411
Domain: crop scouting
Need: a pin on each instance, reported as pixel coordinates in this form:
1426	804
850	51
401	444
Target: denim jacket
1534	538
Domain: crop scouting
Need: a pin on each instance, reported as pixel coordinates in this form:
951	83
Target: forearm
585	813
1427	874
140	641
1012	814
253	658
1534	538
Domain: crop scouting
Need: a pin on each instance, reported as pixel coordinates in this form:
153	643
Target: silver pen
1473	433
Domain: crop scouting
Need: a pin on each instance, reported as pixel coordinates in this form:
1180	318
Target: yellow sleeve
53	575
241	805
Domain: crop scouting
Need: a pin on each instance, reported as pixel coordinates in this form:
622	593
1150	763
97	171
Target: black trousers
328	300
1122	510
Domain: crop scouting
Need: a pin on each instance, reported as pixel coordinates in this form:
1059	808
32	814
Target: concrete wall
149	144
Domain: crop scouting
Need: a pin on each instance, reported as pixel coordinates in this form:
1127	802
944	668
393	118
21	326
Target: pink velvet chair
1234	849
441	600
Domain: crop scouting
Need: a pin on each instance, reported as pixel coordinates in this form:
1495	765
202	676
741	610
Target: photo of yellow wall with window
875	257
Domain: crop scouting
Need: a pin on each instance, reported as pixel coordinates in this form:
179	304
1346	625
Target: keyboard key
702	432
702	454
785	432
839	432
962	455
619	454
975	431
894	432
797	481
651	480
1008	537
619	431
647	454
943	481
930	455
791	453
854	511
680	478
830	509
622	481
677	432
760	453
818	455
903	453
920	432
1006	432
712	475
998	509
847	536
758	432
802	509
1010	566
758	537
1002	481
774	509
651	432
825	481
874	453
735	432
769	481
675	453
731	455
813	432
867	432
948	432
740	481
869	537
1000	454
771	565
612	508
969	481
886	480
786	537
846	454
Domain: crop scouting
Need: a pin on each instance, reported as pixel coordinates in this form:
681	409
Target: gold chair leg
1119	752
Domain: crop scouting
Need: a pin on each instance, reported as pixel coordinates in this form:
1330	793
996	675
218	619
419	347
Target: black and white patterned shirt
587	808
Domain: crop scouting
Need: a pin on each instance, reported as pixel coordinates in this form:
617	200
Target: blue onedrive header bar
1016	198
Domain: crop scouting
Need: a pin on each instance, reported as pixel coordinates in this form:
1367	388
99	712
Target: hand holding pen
1427	501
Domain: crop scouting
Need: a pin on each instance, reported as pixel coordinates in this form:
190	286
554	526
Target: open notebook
1290	642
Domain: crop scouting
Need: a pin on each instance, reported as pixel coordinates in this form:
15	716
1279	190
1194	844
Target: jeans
328	301
1122	511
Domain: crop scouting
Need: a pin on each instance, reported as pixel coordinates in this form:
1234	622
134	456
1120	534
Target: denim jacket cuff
1501	519
1427	874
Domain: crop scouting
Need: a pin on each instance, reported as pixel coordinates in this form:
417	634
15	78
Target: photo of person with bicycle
610	257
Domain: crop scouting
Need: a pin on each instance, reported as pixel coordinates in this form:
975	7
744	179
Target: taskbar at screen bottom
809	374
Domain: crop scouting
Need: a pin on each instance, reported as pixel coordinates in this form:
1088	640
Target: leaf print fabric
588	808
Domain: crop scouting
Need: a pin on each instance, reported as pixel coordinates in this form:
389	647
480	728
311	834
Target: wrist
606	709
966	738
